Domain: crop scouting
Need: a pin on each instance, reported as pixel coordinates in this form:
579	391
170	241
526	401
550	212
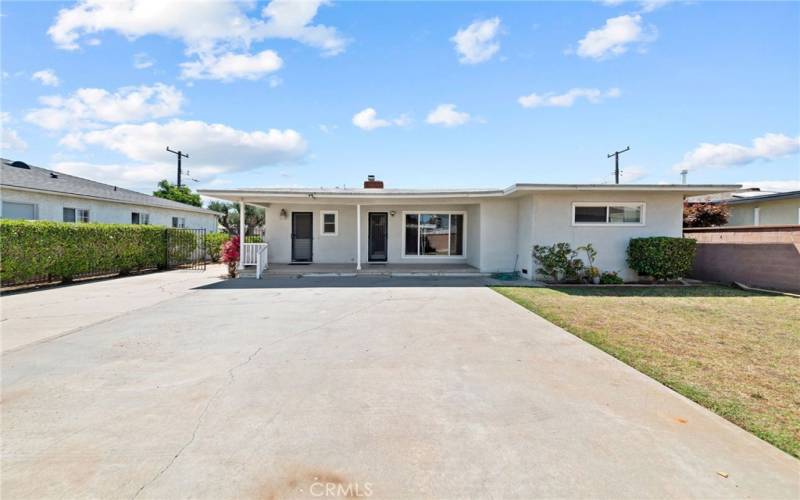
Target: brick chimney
371	183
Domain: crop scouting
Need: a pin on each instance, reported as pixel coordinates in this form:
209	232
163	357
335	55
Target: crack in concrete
200	419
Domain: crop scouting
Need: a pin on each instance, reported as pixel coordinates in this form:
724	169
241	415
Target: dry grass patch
734	352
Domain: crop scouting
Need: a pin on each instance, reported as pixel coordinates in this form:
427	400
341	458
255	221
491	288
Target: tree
705	214
182	194
229	216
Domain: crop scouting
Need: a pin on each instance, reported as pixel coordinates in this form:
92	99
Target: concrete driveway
367	387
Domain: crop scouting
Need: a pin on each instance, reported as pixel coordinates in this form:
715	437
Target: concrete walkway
382	388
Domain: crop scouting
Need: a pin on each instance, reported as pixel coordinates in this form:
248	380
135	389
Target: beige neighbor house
478	230
33	193
767	209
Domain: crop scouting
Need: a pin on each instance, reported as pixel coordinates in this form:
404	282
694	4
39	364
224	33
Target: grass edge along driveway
731	351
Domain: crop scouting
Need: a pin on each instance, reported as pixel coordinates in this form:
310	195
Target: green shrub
610	278
661	257
37	249
214	242
253	239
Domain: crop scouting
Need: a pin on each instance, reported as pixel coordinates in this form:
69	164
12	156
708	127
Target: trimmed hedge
214	242
661	257
31	250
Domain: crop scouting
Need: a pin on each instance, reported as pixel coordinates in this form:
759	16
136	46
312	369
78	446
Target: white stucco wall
770	212
342	247
499	233
51	207
552	213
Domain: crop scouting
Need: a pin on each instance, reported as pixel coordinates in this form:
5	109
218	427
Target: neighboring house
34	193
492	230
768	209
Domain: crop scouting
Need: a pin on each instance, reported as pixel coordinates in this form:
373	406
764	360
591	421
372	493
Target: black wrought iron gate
186	248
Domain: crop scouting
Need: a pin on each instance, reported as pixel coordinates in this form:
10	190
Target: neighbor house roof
19	175
515	189
788	195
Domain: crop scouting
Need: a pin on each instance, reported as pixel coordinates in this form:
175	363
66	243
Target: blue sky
420	94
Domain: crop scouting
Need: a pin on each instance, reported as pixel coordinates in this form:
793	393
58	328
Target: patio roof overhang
265	196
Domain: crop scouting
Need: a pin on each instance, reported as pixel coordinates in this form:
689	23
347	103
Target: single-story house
33	193
491	230
765	209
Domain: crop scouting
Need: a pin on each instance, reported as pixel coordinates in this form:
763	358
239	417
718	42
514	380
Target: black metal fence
186	248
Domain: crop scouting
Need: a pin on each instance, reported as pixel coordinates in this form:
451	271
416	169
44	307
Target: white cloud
766	147
204	26
228	67
367	119
477	42
213	148
142	61
567	99
9	139
46	77
131	176
773	186
631	174
645	5
446	115
292	19
90	107
274	81
615	36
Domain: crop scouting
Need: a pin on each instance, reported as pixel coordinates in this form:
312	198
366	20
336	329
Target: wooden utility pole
616	154
180	155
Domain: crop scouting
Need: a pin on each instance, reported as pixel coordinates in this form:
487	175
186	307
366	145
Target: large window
607	213
25	211
179	222
75	215
434	234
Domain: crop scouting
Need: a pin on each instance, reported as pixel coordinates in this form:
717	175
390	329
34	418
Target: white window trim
608	204
322	214
77	214
433	211
181	222
757	216
142	215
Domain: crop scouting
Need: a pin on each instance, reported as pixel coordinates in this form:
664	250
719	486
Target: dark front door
378	236
302	236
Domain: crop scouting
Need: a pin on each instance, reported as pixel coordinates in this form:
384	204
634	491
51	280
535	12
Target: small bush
214	242
33	250
253	239
661	257
556	261
610	278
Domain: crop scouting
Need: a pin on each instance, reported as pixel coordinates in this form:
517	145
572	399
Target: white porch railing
250	254
261	260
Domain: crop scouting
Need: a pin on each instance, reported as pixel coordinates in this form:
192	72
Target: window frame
434	211
335	214
142	215
12	202
608	204
177	222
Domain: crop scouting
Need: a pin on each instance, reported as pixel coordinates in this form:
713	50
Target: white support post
241	234
358	237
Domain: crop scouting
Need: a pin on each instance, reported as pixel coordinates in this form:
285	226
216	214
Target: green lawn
734	352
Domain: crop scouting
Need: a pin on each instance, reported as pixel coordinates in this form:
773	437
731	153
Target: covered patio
367	269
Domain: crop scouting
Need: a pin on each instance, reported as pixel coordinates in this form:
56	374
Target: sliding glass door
434	234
